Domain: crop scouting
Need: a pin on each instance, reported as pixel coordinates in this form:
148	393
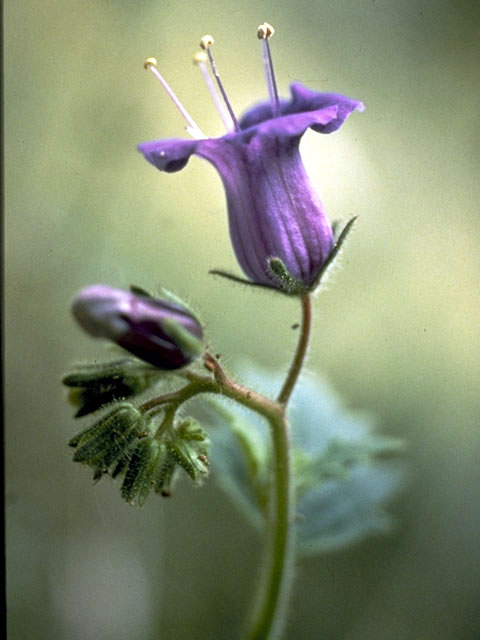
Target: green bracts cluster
125	441
94	386
154	465
105	445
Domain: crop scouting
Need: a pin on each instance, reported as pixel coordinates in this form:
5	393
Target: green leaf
140	291
239	456
190	429
339	458
344	510
117	421
345	473
185	340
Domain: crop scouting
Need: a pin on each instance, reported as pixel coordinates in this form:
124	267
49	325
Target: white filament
217	100
193	129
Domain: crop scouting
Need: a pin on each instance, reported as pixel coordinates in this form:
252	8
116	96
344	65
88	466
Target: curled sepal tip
193	461
333	255
190	429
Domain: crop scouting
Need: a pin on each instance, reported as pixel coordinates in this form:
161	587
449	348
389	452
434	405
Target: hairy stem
220	383
277	576
278	572
300	353
276	582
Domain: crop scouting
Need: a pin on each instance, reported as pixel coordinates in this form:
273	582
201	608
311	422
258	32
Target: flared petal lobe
159	332
274	212
305	100
168	155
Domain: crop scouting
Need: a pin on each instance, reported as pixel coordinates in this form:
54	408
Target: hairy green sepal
93	386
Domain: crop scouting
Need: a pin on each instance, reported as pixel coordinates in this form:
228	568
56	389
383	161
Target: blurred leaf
343	475
339	458
239	457
344	510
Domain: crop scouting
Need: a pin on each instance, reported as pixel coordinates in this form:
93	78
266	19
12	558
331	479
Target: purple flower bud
273	210
159	332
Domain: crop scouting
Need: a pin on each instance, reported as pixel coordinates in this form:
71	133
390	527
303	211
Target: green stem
276	582
300	353
278	573
277	576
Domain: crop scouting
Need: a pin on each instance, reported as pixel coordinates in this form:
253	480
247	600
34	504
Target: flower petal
273	209
168	155
302	101
305	99
294	125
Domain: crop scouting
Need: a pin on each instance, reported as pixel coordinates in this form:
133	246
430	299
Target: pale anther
192	128
200	58
206	41
265	31
150	62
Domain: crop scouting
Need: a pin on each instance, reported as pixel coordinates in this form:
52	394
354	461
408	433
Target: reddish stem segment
298	360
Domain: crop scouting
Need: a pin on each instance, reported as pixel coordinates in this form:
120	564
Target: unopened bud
161	333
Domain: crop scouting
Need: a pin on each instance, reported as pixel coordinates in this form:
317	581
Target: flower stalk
276	581
277	574
300	353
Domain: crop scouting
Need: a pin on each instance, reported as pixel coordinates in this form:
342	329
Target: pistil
264	32
192	128
205	43
200	60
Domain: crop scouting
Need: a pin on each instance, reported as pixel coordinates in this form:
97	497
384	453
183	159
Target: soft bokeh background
397	331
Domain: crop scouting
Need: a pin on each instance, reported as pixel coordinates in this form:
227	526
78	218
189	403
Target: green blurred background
396	330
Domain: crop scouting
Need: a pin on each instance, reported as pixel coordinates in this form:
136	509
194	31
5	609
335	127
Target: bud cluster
126	442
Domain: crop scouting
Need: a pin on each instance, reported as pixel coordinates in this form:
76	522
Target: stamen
205	43
264	32
150	64
200	59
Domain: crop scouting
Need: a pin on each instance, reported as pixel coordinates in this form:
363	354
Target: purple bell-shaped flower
274	212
